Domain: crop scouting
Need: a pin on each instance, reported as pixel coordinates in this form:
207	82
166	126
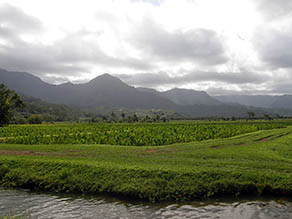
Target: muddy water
35	205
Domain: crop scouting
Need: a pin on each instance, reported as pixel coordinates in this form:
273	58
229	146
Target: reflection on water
34	205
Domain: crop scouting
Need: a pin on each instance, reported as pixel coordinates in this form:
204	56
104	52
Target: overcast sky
222	46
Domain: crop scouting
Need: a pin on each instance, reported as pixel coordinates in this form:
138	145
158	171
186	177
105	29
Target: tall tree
9	101
251	114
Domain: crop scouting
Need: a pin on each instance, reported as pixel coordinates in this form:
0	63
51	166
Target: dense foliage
128	134
47	112
9	101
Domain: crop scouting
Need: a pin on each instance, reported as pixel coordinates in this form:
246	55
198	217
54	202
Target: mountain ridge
108	91
266	101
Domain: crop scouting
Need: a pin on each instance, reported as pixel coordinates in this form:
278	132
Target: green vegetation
47	112
255	163
9	101
122	115
138	134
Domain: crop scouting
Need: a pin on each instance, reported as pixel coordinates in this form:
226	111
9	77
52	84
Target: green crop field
243	158
140	134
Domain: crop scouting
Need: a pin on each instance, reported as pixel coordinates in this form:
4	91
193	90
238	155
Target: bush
35	119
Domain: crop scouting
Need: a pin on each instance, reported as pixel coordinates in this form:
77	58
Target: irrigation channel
25	204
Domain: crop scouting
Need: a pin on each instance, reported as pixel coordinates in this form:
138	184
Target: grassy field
255	163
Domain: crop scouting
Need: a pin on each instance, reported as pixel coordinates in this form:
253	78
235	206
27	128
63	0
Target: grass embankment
257	163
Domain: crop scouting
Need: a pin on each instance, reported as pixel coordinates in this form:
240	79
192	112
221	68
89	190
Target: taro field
139	134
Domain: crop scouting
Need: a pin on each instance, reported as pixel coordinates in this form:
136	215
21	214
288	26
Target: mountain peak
67	84
107	82
105	77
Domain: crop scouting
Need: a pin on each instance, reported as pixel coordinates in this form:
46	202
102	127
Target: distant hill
248	100
49	112
186	97
108	92
284	101
265	101
189	97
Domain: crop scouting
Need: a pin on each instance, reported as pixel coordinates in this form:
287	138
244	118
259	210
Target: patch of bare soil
8	152
160	151
272	137
37	153
267	138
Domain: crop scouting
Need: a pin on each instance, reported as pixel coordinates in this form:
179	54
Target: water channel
26	204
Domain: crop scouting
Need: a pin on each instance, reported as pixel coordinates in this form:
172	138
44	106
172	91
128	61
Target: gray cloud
153	2
77	52
274	9
274	47
69	56
281	83
197	45
15	19
163	79
274	43
36	58
106	17
14	22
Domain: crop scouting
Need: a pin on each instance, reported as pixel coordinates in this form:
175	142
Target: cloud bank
217	46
